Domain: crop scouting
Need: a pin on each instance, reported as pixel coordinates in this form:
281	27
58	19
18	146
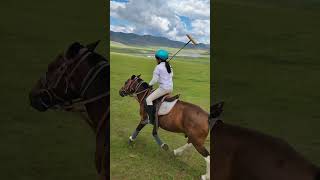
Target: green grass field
266	67
145	160
51	145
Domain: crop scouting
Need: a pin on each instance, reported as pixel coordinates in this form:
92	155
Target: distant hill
148	40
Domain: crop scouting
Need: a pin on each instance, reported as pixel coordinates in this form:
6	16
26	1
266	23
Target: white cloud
197	9
114	6
125	29
201	30
161	18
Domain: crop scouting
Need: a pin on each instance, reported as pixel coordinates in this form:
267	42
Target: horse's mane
144	84
95	58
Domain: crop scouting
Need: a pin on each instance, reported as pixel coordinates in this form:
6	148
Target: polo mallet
190	40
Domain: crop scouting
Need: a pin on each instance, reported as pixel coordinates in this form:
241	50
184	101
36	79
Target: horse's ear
133	76
92	46
73	50
139	75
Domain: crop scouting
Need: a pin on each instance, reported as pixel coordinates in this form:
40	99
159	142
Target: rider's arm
155	77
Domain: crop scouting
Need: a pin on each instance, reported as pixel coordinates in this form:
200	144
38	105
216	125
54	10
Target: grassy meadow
266	68
145	160
50	145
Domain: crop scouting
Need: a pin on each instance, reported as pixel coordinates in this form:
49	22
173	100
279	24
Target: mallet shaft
180	50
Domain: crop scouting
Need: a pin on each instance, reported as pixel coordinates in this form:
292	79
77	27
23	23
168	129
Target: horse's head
65	77
132	85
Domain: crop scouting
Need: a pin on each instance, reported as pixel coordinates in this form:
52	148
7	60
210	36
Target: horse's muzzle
122	93
40	101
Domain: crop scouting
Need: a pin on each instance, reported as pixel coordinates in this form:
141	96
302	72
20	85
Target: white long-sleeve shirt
161	75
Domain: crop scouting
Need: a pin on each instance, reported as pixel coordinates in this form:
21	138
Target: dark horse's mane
93	58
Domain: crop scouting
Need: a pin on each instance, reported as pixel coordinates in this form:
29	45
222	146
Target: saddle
165	103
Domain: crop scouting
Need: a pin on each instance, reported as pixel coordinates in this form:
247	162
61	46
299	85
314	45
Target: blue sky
168	18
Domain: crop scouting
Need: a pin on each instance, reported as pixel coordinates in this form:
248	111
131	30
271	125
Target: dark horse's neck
97	110
100	85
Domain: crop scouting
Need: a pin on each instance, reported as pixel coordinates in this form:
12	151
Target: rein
87	81
128	87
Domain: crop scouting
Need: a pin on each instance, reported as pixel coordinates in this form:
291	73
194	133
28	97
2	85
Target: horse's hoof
204	177
130	140
177	153
165	147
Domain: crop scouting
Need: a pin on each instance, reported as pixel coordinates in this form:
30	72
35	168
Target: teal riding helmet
162	54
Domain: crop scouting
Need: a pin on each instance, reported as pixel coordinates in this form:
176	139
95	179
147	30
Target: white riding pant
156	94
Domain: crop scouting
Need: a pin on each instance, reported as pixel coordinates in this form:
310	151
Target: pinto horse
78	80
244	154
184	118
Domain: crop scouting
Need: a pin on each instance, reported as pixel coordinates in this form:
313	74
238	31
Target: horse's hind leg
136	132
205	153
179	151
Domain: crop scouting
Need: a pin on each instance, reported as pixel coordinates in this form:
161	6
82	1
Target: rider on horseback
162	74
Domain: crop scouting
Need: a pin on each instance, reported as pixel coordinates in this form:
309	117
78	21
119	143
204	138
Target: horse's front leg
136	132
164	146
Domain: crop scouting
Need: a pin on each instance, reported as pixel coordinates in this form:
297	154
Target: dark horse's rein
71	104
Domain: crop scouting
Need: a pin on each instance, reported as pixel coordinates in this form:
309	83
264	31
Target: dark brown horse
184	118
243	154
78	80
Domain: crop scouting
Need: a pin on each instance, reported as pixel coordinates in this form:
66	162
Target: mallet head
191	39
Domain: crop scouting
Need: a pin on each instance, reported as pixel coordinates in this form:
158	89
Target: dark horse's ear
92	46
139	75
133	76
73	50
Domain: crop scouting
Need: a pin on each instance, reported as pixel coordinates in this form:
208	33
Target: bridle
133	86
62	75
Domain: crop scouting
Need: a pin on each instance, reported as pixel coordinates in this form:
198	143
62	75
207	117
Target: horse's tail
215	112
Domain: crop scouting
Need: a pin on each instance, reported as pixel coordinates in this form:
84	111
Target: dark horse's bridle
63	75
132	88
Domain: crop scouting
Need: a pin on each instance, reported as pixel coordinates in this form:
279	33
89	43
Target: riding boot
151	110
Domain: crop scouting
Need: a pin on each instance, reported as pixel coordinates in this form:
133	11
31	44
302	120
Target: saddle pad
166	107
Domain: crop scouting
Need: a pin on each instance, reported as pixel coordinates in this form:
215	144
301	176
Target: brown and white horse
78	80
184	118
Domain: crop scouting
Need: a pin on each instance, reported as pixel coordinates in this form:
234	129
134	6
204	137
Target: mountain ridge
149	40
